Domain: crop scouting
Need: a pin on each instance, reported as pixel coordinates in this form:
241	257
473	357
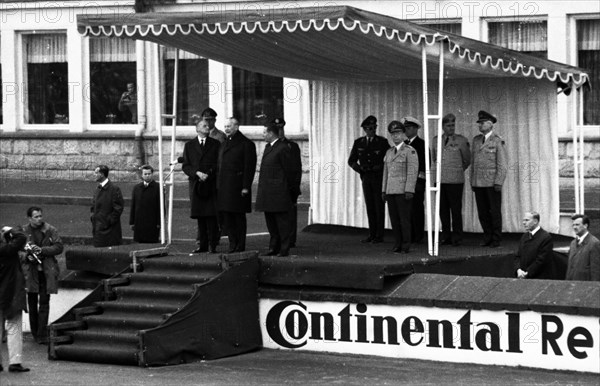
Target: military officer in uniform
400	170
412	126
210	116
366	158
456	158
488	171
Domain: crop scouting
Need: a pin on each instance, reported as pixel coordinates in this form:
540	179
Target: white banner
511	338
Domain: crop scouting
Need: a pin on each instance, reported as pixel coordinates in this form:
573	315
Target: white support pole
438	177
173	138
581	154
158	120
426	135
575	155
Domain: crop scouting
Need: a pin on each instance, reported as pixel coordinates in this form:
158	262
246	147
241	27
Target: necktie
268	146
99	186
202	142
446	141
530	235
395	150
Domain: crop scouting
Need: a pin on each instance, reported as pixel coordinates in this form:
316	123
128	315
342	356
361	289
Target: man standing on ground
275	191
296	170
106	210
456	158
534	258
488	170
144	217
412	126
200	157
584	253
235	173
401	165
12	295
366	158
41	271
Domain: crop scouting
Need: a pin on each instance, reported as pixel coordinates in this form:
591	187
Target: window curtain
112	50
588	47
526	111
525	36
169	54
47	48
256	96
454	28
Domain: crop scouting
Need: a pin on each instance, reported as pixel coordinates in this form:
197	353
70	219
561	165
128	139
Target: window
113	89
530	37
453	28
47	93
256	96
192	85
588	56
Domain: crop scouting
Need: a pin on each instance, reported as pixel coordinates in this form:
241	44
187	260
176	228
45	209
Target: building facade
70	102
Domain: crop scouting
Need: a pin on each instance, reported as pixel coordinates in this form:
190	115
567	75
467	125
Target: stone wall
73	156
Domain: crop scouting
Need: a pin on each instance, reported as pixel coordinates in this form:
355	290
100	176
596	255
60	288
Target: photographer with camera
128	102
12	295
41	270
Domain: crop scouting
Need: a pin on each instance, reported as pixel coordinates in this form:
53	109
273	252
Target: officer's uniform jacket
367	159
400	170
456	158
489	161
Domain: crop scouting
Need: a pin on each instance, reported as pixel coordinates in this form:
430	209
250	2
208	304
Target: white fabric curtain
46	48
169	54
588	34
112	50
526	36
526	110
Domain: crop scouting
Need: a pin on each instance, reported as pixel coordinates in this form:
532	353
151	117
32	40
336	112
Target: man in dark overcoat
236	168
276	190
200	157
296	168
144	217
12	295
417	214
366	158
584	252
534	258
106	210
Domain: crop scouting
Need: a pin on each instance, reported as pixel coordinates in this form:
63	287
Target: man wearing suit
276	188
236	167
400	169
200	157
366	158
106	210
584	253
296	168
144	217
534	258
488	171
412	126
456	158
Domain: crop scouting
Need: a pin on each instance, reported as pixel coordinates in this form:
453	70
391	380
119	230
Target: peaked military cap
410	121
395	126
369	121
278	121
485	116
208	113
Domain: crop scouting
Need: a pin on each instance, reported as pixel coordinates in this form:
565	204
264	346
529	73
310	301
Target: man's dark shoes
447	242
270	253
283	253
485	243
213	250
367	240
17	368
377	240
494	244
200	250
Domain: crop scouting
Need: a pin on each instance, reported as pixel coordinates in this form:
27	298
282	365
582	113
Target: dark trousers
39	310
399	208
235	226
371	185
293	213
451	211
417	213
208	232
278	224
489	204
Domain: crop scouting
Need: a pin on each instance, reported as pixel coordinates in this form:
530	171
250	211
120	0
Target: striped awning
327	43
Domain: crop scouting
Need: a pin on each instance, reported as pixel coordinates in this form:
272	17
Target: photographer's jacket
51	245
12	292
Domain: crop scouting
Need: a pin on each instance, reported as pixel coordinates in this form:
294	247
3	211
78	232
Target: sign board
511	338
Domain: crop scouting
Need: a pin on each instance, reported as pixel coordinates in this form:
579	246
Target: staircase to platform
175	309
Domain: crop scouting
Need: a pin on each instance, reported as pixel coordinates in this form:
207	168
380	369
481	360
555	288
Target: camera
31	255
